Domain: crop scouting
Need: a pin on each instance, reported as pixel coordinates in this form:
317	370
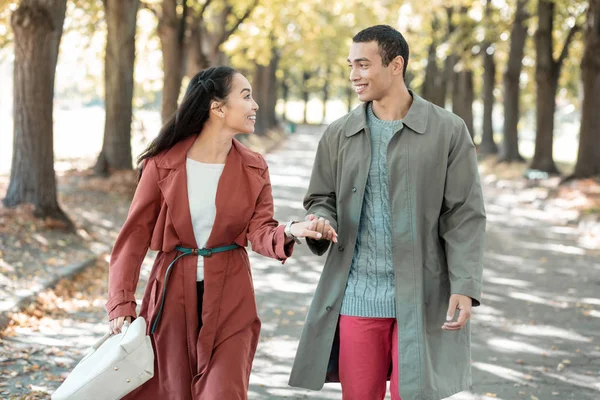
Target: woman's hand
314	228
116	324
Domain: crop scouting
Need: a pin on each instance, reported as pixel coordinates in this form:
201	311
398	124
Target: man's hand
322	226
463	304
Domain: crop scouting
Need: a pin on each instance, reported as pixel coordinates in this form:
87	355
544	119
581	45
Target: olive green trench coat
438	226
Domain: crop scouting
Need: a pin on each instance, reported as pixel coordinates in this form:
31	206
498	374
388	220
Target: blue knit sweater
370	288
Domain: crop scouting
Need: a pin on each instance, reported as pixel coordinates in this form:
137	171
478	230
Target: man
397	179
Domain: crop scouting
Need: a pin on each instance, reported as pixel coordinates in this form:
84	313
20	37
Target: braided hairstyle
212	84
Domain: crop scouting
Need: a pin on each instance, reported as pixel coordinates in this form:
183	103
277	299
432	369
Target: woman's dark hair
212	84
391	43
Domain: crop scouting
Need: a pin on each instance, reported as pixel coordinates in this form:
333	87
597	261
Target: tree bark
265	87
121	16
305	95
171	32
546	78
512	74
271	104
449	63
350	97
37	27
434	84
547	72
488	145
462	98
325	93
196	57
285	95
588	156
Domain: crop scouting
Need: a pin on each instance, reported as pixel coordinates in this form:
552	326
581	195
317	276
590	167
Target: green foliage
6	34
310	38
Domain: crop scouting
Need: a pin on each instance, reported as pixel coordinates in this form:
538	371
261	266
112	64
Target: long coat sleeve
132	245
320	198
462	221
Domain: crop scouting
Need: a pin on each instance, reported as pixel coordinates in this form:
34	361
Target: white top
202	182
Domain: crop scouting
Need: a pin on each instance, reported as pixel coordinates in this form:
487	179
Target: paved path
537	336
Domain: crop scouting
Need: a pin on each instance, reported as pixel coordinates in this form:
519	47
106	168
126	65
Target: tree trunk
265	87
512	74
546	77
119	63
350	96
449	63
196	57
271	104
588	157
325	94
171	29
462	98
37	27
488	145
285	96
305	95
434	84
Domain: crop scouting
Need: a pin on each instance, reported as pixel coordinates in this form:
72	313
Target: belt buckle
195	252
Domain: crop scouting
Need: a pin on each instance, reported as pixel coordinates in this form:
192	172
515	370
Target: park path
536	336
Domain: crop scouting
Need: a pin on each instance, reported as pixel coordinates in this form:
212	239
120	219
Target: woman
200	188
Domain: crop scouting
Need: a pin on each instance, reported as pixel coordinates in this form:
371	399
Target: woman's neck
211	146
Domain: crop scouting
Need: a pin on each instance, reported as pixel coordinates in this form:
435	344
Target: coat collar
176	155
415	119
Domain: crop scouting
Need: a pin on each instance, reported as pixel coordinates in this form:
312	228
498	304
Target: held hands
314	228
463	304
322	226
116	324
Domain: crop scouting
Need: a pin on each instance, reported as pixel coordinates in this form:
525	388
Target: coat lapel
175	193
239	186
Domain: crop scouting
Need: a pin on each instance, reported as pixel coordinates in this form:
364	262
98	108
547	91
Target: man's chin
364	98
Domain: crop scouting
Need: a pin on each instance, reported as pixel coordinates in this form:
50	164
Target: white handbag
113	367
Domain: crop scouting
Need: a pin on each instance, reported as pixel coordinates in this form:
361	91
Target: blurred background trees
523	74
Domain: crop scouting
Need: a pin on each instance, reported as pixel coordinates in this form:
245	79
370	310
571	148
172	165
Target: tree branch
227	33
565	50
204	7
182	22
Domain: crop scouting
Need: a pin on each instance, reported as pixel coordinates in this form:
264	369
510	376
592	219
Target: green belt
186	252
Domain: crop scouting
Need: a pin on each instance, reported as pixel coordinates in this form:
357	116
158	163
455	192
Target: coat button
354	189
341	247
328	308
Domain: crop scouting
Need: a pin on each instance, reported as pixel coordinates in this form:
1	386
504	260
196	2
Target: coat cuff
282	251
318	247
123	310
467	287
123	303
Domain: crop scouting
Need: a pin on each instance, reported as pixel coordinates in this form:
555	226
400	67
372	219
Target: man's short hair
391	43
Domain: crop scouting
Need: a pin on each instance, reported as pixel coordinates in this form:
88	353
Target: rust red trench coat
192	363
